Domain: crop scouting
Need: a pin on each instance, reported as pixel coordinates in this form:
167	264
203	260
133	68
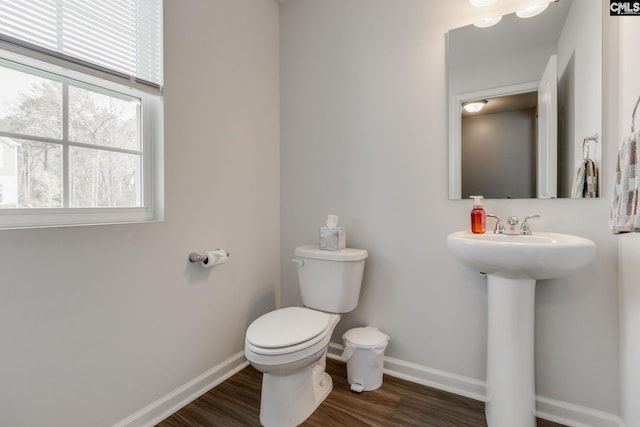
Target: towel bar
585	144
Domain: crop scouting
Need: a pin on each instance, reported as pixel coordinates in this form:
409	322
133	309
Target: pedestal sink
513	263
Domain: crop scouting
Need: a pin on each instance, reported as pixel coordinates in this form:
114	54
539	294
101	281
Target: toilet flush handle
298	261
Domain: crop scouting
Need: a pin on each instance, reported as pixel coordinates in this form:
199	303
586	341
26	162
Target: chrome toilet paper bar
209	258
196	257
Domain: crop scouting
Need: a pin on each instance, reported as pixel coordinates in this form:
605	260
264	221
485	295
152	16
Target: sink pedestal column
510	353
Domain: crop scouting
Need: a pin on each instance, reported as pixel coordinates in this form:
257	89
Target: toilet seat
289	346
287	330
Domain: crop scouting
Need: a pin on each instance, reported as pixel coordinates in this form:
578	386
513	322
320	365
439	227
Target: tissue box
333	239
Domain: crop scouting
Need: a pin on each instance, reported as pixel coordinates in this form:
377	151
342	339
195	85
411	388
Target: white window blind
118	37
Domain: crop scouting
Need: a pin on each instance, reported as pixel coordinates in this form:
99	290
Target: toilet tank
330	280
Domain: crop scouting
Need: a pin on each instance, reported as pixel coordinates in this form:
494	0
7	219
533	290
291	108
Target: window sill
47	218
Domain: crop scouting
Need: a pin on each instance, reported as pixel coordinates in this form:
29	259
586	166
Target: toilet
289	345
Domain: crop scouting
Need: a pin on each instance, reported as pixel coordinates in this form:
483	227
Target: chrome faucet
525	228
499	229
512	221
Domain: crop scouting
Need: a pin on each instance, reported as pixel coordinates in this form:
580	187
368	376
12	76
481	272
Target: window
83	115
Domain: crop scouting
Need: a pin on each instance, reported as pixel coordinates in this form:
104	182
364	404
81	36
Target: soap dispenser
478	216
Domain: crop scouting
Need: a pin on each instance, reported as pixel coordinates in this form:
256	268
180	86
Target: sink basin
538	256
513	263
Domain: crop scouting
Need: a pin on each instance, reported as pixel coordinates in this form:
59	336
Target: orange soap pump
478	216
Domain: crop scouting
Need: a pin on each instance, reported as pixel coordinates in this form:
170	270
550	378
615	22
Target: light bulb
488	21
474	106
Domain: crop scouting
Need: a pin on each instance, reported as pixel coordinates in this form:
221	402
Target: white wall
364	136
629	244
579	68
96	322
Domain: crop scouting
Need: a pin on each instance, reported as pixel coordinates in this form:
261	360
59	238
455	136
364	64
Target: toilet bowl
294	381
289	345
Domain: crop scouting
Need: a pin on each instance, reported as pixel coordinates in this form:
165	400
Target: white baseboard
457	384
549	409
574	415
157	411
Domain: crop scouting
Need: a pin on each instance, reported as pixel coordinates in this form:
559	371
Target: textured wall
364	136
96	322
629	244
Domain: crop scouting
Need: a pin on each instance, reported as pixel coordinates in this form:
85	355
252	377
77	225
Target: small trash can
364	352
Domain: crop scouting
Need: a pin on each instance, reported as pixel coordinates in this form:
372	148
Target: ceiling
510	34
522	101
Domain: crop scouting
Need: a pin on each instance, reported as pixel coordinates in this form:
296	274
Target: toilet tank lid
314	251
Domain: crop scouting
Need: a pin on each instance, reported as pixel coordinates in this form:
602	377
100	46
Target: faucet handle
499	225
525	228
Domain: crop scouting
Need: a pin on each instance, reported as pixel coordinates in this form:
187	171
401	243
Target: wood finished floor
236	402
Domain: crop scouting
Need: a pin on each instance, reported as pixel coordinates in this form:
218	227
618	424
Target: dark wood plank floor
236	402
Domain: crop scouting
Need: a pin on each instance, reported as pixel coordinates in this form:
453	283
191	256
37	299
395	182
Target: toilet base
288	400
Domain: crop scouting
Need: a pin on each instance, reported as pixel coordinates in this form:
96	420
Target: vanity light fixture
474	106
482	3
532	10
488	21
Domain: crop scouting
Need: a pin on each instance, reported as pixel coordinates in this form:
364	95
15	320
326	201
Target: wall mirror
539	83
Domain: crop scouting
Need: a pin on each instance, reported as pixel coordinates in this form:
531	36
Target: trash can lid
366	337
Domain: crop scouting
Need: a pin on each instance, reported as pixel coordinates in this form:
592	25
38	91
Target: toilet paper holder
196	257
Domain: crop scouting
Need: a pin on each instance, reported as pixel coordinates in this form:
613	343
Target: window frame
151	130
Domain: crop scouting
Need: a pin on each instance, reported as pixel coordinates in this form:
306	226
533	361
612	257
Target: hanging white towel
585	183
578	182
624	211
